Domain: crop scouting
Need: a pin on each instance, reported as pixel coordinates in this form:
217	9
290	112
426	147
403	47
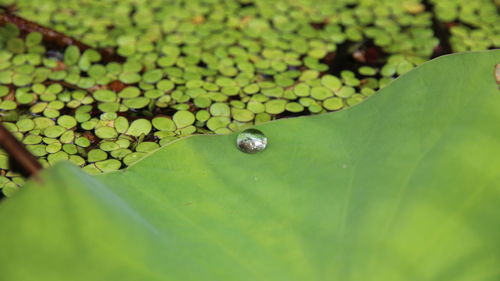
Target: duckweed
197	67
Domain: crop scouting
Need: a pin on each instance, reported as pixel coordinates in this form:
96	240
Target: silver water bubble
251	141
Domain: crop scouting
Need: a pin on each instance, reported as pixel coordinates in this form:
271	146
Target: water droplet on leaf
251	141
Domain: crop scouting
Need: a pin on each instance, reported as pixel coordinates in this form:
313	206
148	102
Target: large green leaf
405	186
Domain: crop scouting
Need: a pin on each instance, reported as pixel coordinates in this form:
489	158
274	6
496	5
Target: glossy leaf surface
405	186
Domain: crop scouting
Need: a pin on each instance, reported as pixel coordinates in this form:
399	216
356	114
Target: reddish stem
53	37
21	159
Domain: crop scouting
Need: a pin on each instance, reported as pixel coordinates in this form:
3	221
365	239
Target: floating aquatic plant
103	83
